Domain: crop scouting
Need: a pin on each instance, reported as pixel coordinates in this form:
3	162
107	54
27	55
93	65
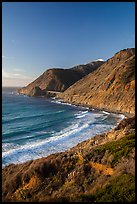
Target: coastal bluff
106	85
111	87
100	169
58	79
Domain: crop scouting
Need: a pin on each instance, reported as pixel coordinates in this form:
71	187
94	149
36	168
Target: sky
37	36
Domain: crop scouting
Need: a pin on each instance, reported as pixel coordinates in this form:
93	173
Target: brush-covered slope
58	79
111	87
101	169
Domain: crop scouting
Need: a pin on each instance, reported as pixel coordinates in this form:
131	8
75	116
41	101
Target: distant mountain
111	87
57	79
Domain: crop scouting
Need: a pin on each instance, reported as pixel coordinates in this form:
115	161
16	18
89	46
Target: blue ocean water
36	127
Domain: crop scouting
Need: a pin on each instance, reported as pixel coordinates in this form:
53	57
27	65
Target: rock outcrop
111	87
59	79
101	169
36	91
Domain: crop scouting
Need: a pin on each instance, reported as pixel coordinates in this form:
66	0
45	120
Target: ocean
37	127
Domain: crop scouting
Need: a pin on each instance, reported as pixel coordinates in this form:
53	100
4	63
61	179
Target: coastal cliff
111	87
101	169
57	79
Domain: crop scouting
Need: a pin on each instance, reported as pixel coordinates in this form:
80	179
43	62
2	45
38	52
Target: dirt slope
111	87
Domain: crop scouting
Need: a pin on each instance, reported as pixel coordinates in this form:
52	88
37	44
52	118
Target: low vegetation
114	150
119	189
89	172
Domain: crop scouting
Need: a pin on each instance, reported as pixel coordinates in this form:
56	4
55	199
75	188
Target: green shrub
120	148
120	189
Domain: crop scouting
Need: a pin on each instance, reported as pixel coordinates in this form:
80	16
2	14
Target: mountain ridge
58	79
110	87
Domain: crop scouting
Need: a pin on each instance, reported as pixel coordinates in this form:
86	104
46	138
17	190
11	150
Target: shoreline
92	137
75	174
90	108
122	116
80	173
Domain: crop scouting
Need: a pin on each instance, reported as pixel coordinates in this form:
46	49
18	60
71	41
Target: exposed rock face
36	91
59	79
111	87
93	171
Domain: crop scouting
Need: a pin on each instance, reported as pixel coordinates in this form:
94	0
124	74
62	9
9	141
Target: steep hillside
111	87
58	79
100	169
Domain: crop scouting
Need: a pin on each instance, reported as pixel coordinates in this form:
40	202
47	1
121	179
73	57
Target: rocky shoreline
91	107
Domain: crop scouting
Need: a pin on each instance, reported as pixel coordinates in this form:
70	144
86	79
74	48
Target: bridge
53	93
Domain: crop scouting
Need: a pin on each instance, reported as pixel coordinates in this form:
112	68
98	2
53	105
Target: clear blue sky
40	35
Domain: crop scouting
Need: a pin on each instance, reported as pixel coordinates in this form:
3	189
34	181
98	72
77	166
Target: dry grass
77	174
